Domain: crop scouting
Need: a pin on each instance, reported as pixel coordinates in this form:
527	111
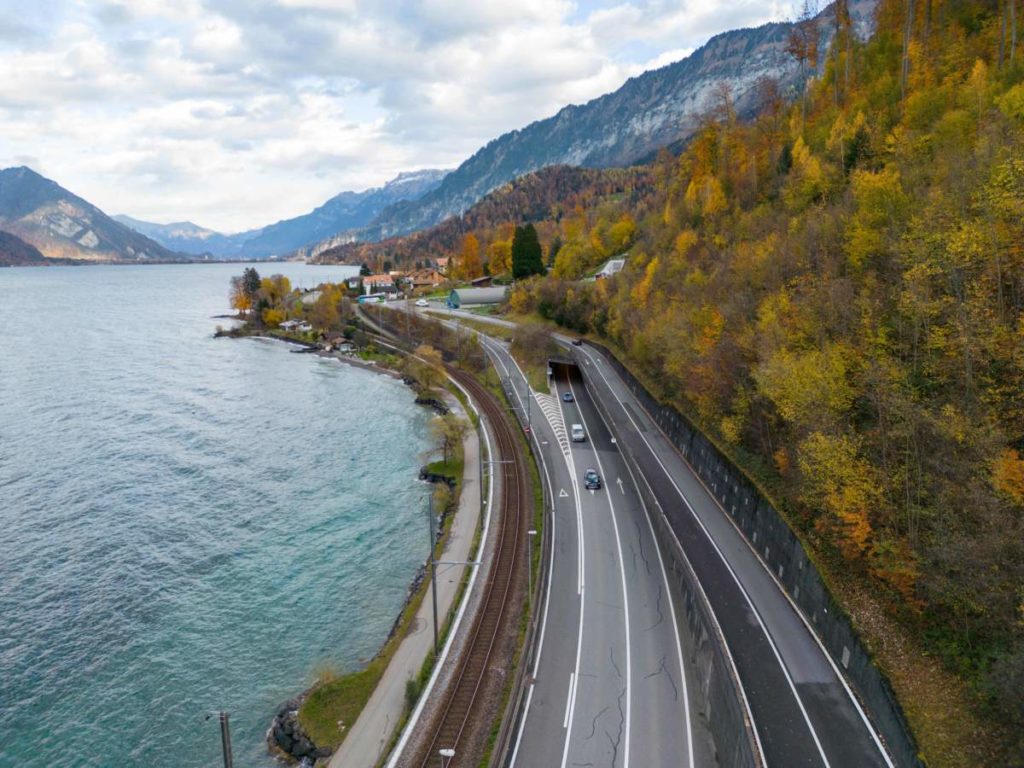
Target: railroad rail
468	681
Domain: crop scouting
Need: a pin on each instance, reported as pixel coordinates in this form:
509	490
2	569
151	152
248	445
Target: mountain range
341	214
657	109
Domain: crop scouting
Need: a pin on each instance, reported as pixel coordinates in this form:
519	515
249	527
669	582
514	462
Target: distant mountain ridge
531	197
342	213
62	225
657	109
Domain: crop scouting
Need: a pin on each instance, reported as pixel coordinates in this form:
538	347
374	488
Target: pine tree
527	256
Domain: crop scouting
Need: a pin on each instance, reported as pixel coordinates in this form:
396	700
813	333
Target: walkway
373	730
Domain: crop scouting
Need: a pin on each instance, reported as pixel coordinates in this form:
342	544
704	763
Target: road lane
802	708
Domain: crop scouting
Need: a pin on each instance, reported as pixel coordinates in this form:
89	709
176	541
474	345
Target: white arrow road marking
621	489
562	494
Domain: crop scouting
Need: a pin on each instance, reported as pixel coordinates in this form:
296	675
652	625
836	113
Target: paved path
373	730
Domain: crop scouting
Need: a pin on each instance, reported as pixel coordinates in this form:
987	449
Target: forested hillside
548	195
834	291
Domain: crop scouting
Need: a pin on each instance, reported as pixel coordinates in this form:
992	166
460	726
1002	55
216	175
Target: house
481	282
611	267
354	283
379	284
475	297
442	265
289	325
425	279
309	298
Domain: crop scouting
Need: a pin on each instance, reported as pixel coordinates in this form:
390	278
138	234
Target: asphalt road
803	712
609	686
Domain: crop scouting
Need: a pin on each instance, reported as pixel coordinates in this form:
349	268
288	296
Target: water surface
188	524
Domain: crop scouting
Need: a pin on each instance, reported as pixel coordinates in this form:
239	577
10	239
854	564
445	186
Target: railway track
464	694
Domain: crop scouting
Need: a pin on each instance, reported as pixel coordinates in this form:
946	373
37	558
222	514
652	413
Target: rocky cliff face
64	226
660	108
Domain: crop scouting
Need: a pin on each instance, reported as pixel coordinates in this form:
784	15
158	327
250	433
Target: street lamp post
433	567
225	737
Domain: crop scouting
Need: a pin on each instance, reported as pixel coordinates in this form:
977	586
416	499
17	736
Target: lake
189	524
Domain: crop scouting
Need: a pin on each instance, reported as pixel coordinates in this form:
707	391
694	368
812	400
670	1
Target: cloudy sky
237	113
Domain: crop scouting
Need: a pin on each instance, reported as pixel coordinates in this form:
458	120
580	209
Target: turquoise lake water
187	524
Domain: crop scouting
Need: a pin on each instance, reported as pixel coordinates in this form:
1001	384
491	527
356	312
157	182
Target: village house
379	284
424	279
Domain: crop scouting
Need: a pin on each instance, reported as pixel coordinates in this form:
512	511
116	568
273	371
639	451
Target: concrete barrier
783	554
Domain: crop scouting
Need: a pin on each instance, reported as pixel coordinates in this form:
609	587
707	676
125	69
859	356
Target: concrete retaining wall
783	554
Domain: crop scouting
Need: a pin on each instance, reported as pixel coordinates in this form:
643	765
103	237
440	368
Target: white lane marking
581	588
625	593
671	605
835	668
750	602
568	699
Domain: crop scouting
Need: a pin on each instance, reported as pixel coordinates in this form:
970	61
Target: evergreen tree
527	256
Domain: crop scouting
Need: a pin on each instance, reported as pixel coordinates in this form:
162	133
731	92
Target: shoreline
286	739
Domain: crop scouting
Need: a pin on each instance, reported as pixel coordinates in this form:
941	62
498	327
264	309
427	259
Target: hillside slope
533	197
657	109
15	252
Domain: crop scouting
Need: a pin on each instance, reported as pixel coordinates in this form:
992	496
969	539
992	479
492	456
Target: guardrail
783	554
725	703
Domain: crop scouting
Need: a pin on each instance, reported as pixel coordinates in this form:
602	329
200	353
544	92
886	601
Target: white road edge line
668	596
835	668
750	603
497	352
625	591
544	619
568	699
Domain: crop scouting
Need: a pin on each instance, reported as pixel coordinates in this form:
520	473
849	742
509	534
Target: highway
609	687
603	609
803	711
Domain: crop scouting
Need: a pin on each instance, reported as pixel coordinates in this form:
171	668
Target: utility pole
225	740
433	568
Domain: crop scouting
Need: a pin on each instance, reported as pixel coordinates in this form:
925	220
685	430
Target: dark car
577	342
591	480
567	397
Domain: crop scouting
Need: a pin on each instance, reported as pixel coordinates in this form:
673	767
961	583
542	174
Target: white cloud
236	113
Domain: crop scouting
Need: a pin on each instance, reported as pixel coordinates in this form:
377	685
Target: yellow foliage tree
499	256
469	266
1008	475
809	389
839	482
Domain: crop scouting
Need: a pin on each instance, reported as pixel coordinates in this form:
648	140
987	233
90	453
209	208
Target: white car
578	435
422	303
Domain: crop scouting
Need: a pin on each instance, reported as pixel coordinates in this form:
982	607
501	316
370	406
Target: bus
371	298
